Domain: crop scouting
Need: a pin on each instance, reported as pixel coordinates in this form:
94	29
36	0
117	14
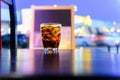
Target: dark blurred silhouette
117	48
99	41
22	41
109	48
13	55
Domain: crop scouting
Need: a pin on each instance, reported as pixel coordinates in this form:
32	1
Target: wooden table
80	62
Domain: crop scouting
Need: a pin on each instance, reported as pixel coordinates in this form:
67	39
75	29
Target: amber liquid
50	36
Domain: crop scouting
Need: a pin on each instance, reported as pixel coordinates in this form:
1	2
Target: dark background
54	16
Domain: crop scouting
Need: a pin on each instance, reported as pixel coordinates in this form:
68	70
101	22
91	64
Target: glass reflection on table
51	63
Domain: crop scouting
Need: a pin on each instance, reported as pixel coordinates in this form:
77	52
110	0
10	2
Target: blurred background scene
97	22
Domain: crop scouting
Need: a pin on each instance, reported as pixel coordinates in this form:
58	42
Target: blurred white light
19	27
75	7
118	30
8	30
2	29
112	29
22	29
78	19
81	48
55	5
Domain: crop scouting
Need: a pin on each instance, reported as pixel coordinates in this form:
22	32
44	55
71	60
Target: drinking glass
50	33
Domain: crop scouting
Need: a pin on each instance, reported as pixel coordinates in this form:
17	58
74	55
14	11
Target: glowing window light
105	29
87	20
78	19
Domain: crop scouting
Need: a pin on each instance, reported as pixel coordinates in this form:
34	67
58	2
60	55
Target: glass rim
50	23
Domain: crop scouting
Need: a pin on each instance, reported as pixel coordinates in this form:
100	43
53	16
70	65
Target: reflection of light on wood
74	63
5	61
113	61
25	61
19	60
78	61
87	60
32	61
